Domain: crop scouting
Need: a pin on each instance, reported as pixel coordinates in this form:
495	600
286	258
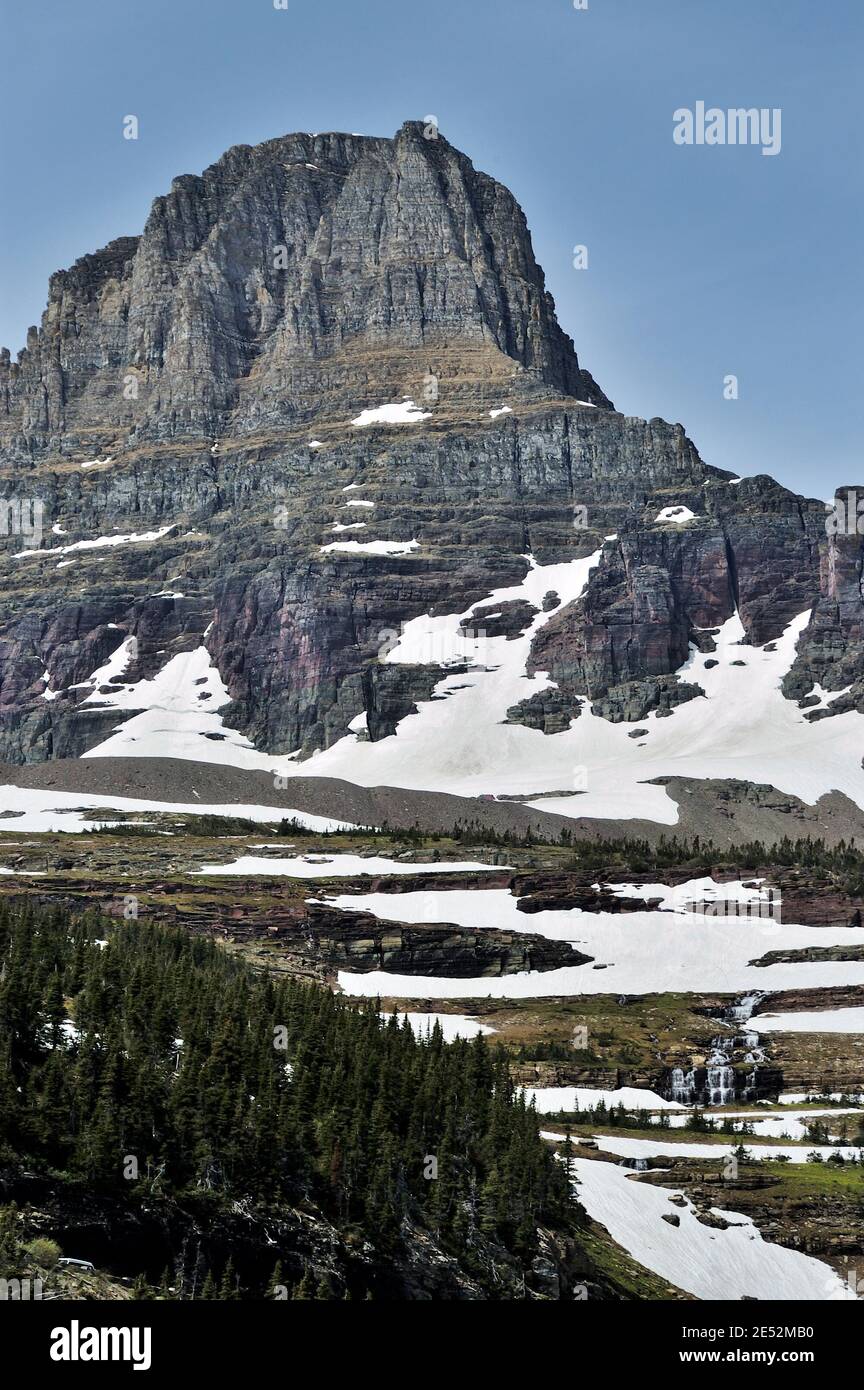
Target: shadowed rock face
357	941
268	302
753	547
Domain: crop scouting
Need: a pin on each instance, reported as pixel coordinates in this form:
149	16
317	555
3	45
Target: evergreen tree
173	1089
229	1288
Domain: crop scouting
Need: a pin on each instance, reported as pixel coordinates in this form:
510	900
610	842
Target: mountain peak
302	279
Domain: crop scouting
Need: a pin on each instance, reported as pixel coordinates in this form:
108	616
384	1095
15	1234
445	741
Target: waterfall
750	1085
683	1086
716	1082
740	1012
721	1085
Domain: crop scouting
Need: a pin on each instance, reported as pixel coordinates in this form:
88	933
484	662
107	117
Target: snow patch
403	412
548	1100
818	1021
706	1261
371	547
669	1148
678	515
338	866
651	952
453	1026
100	543
47	811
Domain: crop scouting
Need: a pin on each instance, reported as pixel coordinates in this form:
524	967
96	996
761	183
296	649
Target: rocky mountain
285	284
355	647
312	453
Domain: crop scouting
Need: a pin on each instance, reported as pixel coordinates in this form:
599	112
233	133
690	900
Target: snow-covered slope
35	810
671	1148
458	742
642	952
744	727
703	1260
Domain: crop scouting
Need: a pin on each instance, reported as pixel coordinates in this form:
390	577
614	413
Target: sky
704	262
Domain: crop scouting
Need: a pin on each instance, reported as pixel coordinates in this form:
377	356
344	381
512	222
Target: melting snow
640	952
670	1148
703	1260
46	693
113	668
795	1097
696	894
549	1099
339	866
47	810
743	727
826	1021
457	742
371	547
774	1126
176	708
101	542
679	515
453	1026
825	697
403	412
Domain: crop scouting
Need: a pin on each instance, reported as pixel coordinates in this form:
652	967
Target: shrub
44	1252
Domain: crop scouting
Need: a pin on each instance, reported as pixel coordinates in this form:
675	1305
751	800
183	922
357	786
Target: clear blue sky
702	261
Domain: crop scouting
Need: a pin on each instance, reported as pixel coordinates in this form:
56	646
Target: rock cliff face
289	280
750	546
209	373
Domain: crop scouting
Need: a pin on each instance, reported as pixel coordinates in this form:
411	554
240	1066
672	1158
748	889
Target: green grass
807	1181
629	1279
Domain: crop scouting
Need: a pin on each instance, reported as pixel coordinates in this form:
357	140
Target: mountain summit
300	277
